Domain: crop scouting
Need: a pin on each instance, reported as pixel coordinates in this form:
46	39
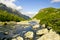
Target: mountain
13	11
51	17
6	16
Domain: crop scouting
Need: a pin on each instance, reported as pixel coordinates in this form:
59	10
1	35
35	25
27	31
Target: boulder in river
43	25
36	26
29	34
50	36
14	39
42	31
19	38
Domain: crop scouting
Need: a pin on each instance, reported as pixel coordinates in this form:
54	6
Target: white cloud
30	14
10	3
55	1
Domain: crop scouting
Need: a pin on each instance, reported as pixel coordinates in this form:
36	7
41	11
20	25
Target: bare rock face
43	31
50	36
29	34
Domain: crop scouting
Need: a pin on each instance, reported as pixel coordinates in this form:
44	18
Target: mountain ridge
14	11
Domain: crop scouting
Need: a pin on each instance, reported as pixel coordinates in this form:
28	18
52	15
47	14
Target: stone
19	38
43	25
6	33
50	36
42	31
36	26
29	34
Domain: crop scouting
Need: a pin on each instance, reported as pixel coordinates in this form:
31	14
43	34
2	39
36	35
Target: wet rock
6	33
14	39
19	38
26	26
29	34
43	25
42	31
36	26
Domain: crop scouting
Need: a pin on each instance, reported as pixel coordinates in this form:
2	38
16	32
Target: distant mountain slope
51	17
6	16
10	10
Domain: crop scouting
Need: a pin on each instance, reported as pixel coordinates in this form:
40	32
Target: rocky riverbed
28	32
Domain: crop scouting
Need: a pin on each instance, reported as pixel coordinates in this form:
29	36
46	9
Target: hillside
13	11
6	16
51	17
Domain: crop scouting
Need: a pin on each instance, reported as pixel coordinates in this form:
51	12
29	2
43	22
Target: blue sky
31	7
36	5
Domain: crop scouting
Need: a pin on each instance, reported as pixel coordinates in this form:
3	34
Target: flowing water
18	30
